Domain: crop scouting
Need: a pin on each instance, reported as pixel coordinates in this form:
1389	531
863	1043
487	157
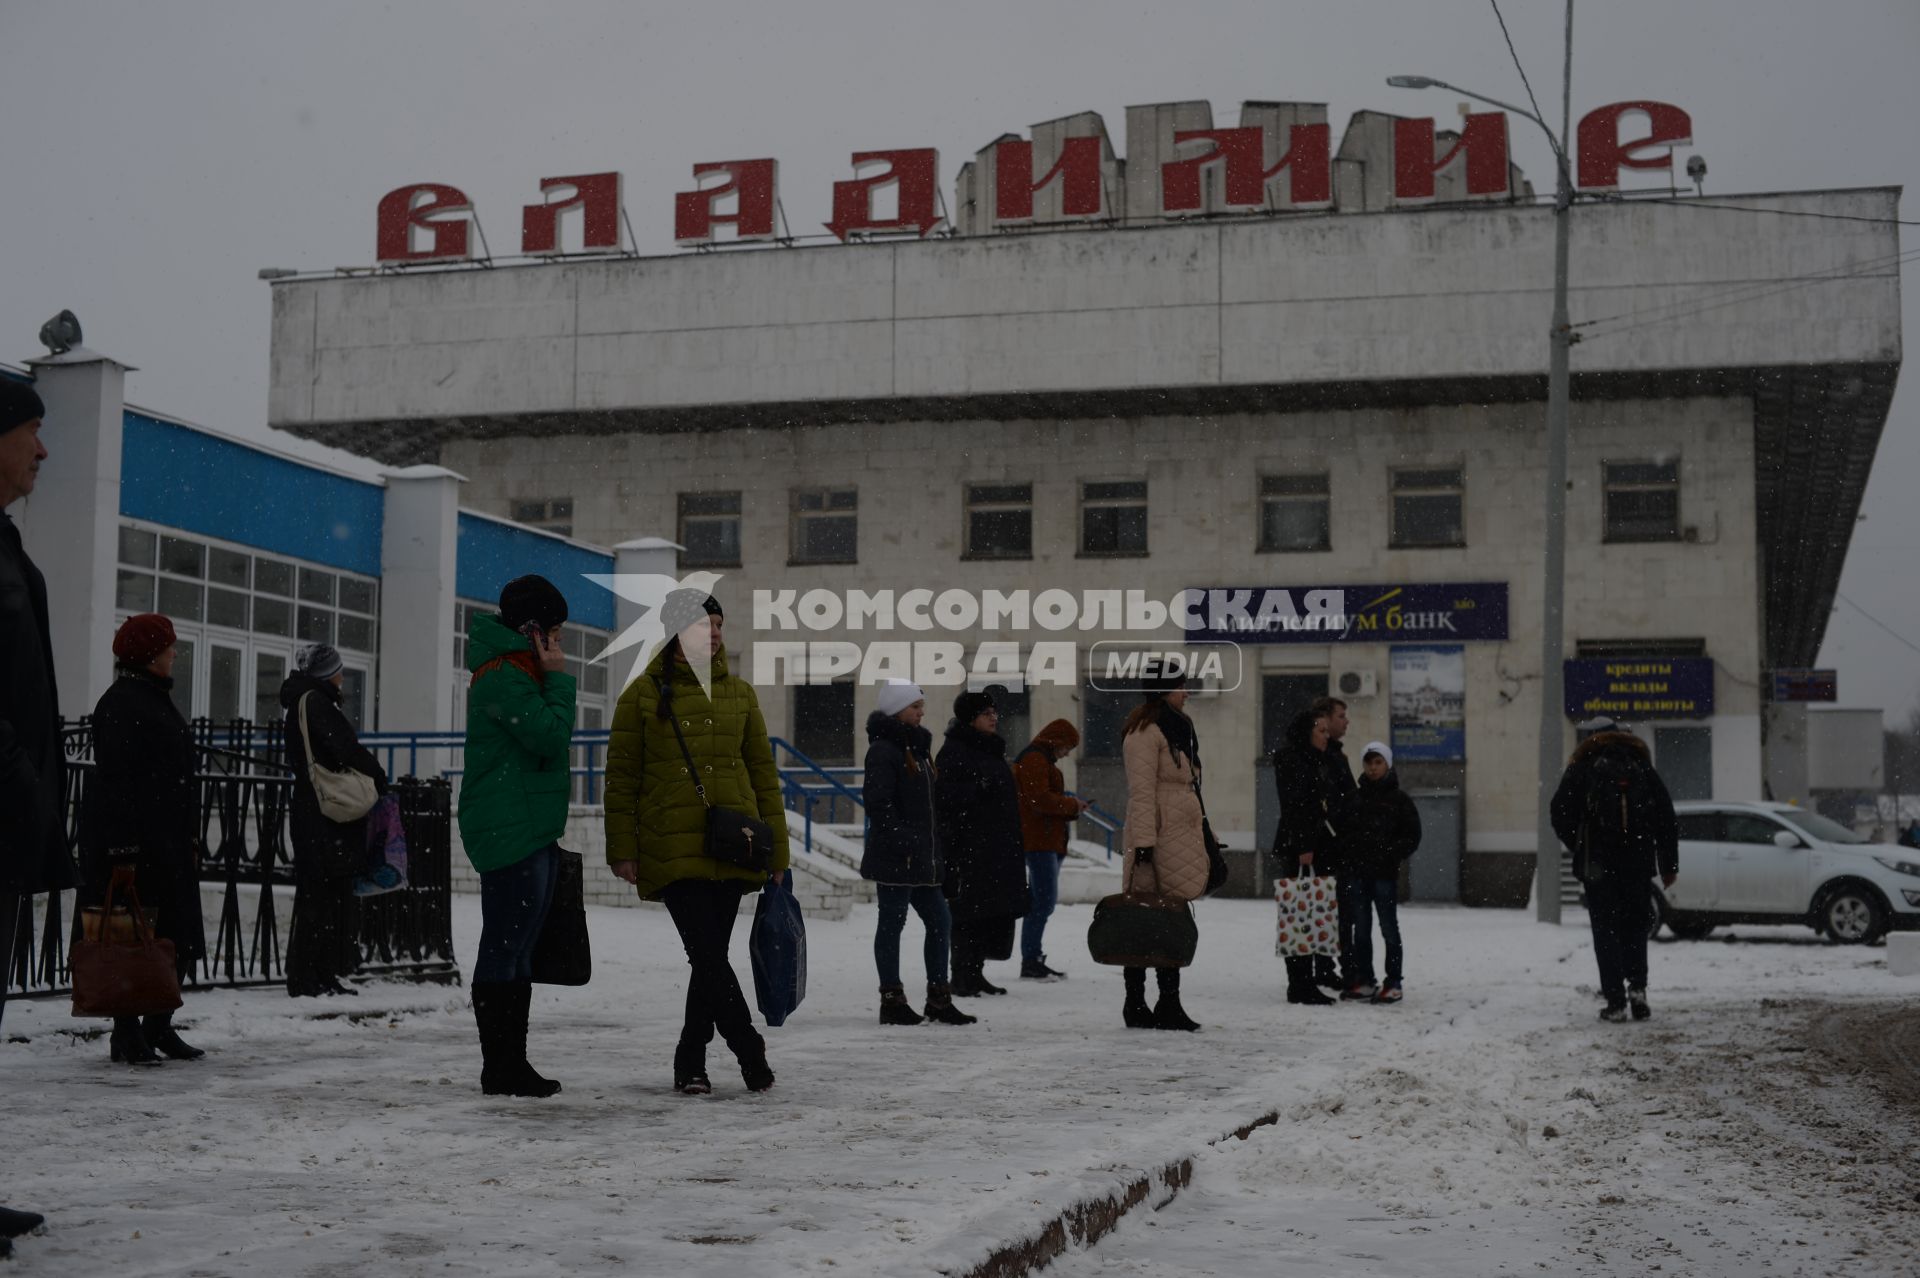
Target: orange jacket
1045	809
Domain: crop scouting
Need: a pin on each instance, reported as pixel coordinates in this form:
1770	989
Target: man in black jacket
1613	812
33	845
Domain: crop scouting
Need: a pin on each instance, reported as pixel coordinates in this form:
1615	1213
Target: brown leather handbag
115	977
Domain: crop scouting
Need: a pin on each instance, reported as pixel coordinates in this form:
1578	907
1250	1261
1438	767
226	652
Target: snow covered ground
1488	1125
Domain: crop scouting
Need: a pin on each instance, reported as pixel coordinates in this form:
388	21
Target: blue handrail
803	796
1102	820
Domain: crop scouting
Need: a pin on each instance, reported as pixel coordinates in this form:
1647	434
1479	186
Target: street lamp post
1546	873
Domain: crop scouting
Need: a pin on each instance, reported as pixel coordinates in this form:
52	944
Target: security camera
1697	170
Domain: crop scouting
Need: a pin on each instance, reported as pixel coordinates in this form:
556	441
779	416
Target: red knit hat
142	638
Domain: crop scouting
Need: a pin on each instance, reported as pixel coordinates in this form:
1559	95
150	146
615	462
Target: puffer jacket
1307	800
1046	813
1653	843
901	848
653	813
1163	813
513	798
1379	828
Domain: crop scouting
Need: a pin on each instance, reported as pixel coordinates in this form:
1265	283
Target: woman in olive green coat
657	820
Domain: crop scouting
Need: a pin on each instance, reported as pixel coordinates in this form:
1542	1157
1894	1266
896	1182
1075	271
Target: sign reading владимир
1640	687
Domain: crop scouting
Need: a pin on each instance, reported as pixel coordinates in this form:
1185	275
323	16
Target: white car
1775	863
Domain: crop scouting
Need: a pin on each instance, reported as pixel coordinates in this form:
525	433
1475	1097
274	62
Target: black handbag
1142	929
563	954
732	837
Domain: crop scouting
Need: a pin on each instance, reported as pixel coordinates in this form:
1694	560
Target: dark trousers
1359	900
321	945
10	906
703	910
976	940
1620	909
931	905
514	900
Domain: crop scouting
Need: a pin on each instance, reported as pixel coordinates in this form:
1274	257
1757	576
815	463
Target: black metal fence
244	791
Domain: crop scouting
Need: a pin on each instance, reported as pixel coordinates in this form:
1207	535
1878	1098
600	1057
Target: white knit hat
1380	748
897	694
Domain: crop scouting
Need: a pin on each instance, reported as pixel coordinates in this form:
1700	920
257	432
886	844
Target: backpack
1619	794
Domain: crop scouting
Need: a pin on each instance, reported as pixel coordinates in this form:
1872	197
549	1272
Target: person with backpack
1047	813
1614	814
902	856
513	810
1379	829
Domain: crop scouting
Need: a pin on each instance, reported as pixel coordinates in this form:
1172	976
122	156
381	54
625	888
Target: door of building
1433	873
1684	757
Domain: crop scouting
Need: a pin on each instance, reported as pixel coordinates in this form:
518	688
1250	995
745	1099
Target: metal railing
243	797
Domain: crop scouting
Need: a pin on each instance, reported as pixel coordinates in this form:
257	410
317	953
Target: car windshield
1821	828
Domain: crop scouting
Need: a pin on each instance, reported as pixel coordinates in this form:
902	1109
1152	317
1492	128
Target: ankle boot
690	1070
894	1008
940	1008
754	1070
160	1034
129	1045
1135	1011
1300	984
1168	1014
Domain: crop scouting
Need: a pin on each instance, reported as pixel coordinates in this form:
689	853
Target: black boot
690	1070
1169	1015
14	1223
500	1011
129	1045
983	984
1135	1011
940	1008
754	1070
894	1008
160	1034
1300	984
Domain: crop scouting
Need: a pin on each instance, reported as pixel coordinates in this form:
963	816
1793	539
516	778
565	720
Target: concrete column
71	523
417	590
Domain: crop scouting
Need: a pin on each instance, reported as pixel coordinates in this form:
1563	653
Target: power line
1514	54
1734	301
1694	202
1765	283
1876	621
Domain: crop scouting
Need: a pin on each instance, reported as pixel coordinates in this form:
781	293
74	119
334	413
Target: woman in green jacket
657	819
513	810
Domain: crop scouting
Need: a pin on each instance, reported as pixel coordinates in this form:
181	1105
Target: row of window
1427	510
194	581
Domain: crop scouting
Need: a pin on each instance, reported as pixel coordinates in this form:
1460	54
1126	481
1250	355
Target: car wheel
1691	931
1853	914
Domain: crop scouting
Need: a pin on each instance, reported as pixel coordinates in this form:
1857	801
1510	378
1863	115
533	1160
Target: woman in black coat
977	806
327	854
902	854
140	820
1305	839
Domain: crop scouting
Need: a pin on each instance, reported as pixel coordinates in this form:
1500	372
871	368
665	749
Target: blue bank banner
1443	612
1640	688
1427	699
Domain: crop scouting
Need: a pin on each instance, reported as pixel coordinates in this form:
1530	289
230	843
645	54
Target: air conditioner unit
1349	684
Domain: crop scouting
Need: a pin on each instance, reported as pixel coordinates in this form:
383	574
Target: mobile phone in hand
535	635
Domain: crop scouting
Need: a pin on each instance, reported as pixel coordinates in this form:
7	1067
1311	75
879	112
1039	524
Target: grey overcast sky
159	153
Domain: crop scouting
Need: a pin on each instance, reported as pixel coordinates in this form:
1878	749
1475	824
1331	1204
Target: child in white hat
1379	828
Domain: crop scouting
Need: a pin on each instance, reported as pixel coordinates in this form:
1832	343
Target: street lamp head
1411	82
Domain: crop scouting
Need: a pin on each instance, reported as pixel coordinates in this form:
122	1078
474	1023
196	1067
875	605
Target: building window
553	514
999	521
137	547
1293	513
823	722
1643	501
1113	518
826	525
1428	507
710	530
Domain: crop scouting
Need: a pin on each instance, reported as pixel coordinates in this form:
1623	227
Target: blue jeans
1043	882
1360	898
513	908
931	905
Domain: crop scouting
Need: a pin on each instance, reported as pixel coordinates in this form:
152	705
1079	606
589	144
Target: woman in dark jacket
327	854
141	818
1305	839
902	854
977	807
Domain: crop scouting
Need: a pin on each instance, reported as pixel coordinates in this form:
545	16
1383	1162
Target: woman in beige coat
1166	851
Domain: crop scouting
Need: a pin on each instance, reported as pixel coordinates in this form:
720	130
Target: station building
1349	397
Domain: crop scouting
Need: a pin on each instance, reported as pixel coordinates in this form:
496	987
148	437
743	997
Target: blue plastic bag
778	947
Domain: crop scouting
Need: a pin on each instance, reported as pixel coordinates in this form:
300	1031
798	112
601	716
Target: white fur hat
1380	748
897	694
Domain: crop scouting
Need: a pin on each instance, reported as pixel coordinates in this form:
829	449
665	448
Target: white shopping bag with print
1309	917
